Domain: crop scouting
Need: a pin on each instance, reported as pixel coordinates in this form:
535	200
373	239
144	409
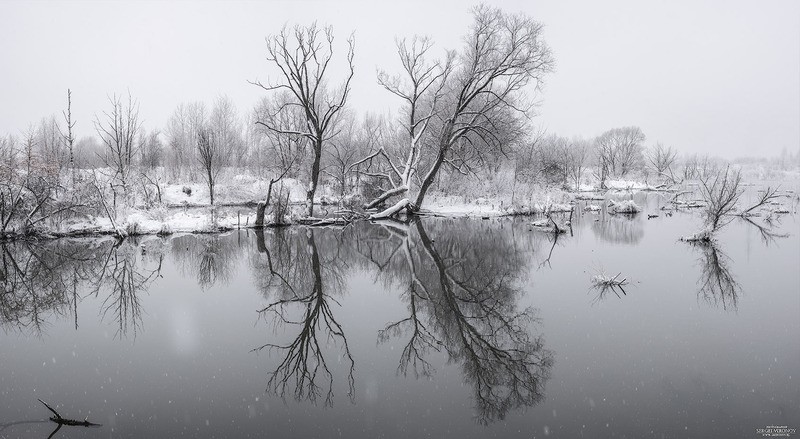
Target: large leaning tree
462	108
303	57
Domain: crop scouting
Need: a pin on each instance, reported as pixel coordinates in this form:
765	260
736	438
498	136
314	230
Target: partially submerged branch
767	197
58	419
604	283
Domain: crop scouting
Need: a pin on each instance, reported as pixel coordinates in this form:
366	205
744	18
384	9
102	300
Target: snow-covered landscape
332	219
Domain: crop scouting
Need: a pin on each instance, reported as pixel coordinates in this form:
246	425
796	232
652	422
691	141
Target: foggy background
721	78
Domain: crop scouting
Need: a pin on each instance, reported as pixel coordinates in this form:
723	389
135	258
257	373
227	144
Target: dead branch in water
604	283
602	280
768	195
556	228
58	419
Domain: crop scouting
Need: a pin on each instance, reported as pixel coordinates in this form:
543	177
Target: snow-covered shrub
165	229
627	206
705	235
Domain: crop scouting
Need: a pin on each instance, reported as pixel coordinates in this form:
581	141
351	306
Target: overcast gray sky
717	77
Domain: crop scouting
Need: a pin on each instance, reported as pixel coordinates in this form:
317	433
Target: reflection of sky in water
667	357
185	332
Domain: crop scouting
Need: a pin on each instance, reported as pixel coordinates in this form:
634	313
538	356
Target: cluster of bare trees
31	187
619	151
463	113
553	160
462	108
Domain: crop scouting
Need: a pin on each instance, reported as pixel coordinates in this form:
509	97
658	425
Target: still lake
435	328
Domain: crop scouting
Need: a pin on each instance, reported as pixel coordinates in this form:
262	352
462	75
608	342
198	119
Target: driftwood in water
394	210
58	419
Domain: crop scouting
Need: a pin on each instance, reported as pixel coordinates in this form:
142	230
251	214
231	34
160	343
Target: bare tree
525	161
182	130
177	141
118	129
619	151
51	149
661	159
420	87
344	156
28	190
303	57
577	158
551	159
721	192
224	121
212	156
281	150
151	149
477	104
68	137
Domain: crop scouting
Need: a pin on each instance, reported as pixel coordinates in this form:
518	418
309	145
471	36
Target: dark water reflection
432	328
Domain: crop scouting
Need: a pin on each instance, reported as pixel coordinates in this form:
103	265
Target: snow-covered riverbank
184	208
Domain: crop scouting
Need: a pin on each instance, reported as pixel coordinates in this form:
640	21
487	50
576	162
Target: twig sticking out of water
602	280
71	422
604	283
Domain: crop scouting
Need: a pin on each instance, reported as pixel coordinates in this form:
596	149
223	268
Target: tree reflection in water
42	280
461	286
718	286
38	281
619	228
462	298
208	258
302	281
124	279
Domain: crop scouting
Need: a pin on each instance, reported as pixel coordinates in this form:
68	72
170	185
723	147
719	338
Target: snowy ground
544	201
185	206
241	189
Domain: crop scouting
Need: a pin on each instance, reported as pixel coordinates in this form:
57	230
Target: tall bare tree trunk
312	189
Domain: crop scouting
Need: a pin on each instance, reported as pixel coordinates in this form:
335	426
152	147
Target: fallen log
388	213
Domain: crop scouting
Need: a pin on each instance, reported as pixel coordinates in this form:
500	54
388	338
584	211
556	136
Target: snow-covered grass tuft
628	185
592	208
705	235
603	283
602	280
626	206
590	197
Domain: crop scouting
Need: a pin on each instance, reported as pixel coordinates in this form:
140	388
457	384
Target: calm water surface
437	328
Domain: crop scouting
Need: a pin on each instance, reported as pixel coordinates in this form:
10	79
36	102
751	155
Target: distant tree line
463	113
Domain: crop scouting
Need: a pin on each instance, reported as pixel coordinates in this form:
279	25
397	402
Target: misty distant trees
118	128
619	151
217	142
